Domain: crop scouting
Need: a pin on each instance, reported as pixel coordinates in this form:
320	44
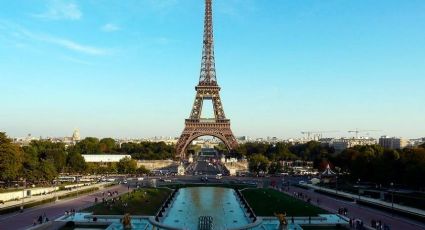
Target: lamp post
358	184
23	195
54	189
392	197
336	184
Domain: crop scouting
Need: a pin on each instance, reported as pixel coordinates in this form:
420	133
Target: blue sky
128	68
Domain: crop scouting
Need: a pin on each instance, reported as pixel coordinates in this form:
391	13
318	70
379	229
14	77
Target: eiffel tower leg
194	130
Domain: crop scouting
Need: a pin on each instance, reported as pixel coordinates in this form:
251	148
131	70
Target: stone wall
155	164
16	195
234	167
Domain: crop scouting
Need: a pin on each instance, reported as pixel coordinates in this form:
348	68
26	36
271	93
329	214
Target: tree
142	170
11	159
275	167
107	145
258	163
127	166
89	145
47	170
76	162
30	164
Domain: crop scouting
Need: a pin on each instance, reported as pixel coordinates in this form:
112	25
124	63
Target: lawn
266	202
145	201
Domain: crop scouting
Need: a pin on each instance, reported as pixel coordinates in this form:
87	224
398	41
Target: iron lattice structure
207	89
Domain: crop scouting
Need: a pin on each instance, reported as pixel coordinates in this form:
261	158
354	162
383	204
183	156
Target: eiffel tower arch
207	89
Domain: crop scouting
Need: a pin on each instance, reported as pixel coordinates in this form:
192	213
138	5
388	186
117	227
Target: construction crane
317	134
357	131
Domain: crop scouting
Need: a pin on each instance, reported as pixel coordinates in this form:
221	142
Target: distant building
326	141
393	142
416	142
299	167
345	143
76	135
104	158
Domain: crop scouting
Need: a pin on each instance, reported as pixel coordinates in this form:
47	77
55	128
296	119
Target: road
52	210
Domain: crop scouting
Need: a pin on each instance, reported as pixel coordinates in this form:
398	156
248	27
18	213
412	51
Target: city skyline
318	66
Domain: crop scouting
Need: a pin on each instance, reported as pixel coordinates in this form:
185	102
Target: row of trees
266	158
370	163
311	151
39	161
43	160
384	166
124	166
143	150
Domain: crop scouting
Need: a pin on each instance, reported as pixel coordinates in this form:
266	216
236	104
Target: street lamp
392	197
358	184
23	195
54	189
336	184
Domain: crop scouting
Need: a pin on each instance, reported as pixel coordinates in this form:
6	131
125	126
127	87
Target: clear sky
128	68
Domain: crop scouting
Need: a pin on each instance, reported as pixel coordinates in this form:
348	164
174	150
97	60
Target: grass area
266	202
79	192
145	201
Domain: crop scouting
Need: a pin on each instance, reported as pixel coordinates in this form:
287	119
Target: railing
165	205
247	206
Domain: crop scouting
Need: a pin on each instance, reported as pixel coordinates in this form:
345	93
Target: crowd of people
377	224
40	220
111	198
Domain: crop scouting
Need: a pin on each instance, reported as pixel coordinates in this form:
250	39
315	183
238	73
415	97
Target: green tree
127	166
47	170
89	145
30	164
142	170
258	163
275	167
76	162
11	159
107	145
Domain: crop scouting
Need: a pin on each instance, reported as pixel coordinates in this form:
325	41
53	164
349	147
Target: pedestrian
40	219
373	223
34	222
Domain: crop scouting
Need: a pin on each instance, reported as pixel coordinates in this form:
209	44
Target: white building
393	142
345	143
104	158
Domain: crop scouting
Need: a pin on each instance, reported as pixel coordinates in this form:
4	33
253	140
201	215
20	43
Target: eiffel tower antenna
208	75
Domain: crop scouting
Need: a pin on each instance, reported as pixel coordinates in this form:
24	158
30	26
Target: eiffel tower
207	89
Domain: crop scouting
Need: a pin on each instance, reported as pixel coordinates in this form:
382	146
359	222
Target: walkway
364	213
53	210
47	196
398	207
